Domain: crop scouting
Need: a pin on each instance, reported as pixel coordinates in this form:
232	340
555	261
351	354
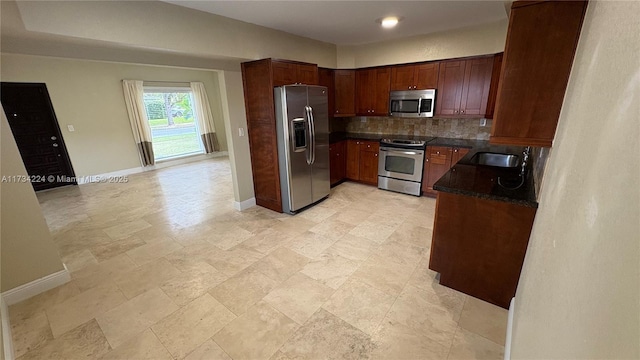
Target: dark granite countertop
431	141
466	178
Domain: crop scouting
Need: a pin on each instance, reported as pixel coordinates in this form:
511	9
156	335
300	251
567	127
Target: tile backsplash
538	162
437	127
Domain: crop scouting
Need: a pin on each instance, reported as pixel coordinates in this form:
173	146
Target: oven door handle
402	152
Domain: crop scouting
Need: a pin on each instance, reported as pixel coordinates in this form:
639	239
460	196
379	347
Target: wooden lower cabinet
362	161
437	161
458	153
338	162
479	245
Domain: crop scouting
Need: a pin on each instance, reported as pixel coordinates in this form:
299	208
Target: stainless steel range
400	165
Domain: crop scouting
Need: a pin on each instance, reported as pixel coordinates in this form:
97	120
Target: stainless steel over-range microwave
412	103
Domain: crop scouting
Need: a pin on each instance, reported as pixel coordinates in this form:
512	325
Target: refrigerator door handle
309	153
313	134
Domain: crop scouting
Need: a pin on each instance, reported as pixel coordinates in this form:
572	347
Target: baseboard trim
7	339
244	205
507	341
140	169
36	287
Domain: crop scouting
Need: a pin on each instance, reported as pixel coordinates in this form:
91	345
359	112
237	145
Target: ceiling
354	22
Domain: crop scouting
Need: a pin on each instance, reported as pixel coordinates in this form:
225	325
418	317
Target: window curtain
205	119
134	98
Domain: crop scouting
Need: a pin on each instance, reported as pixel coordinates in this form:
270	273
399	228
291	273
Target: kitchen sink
495	159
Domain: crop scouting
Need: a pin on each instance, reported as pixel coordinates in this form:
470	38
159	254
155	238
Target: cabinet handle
409	87
461	111
438	152
414	87
375	155
455	150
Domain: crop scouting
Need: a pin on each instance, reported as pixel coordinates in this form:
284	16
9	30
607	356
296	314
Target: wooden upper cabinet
372	91
326	78
475	89
380	105
364	91
307	74
495	81
449	91
345	90
289	72
463	87
402	77
541	44
415	76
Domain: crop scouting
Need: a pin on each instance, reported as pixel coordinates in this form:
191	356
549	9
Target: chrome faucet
525	158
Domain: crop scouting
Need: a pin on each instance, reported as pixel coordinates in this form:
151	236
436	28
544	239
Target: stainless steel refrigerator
302	118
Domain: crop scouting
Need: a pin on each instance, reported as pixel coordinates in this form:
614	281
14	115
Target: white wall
28	252
88	95
476	40
579	290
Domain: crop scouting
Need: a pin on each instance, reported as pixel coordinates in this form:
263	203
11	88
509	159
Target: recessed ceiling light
389	22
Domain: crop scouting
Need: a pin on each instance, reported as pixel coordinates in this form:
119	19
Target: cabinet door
541	44
365	91
439	158
402	77
458	153
450	82
380	101
284	73
307	74
338	162
353	159
258	94
493	89
426	76
369	162
345	90
325	78
475	88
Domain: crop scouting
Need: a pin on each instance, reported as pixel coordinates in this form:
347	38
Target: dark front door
35	128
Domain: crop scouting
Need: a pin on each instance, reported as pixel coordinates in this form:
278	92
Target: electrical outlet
483	122
71	128
240	131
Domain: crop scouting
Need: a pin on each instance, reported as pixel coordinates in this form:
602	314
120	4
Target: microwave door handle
419	105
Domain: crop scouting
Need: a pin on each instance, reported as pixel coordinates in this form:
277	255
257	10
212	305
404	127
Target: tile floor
163	267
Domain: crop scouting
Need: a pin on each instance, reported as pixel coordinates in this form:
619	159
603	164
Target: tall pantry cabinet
259	78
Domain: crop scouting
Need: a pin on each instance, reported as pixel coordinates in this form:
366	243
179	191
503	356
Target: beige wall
235	118
28	251
477	40
579	291
88	95
161	26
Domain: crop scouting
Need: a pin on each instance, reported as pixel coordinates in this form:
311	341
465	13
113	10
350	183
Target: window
172	119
